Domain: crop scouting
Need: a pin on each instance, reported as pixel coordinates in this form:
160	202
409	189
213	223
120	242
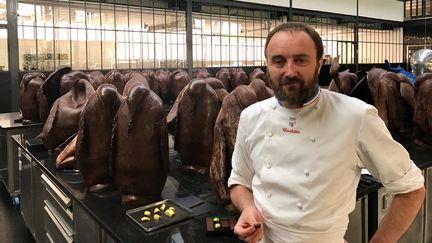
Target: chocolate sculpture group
115	127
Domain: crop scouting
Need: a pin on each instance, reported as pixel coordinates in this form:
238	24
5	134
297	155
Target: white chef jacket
303	165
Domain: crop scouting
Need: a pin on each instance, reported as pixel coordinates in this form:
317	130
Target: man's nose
290	70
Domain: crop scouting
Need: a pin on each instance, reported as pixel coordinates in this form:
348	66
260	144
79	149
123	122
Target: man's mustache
286	80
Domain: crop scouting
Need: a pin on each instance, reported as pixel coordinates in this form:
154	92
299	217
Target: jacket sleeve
385	158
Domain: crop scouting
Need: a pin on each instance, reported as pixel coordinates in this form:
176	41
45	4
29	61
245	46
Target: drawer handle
27	156
57	224
66	200
48	237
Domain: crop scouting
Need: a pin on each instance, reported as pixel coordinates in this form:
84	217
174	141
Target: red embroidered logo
290	130
292	122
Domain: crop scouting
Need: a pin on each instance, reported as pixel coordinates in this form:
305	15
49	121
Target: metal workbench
8	150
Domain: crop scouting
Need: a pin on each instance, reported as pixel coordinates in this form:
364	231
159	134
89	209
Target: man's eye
278	61
300	61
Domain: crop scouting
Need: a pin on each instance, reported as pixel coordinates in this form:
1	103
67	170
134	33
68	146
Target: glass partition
101	35
231	36
3	50
3	14
378	42
129	34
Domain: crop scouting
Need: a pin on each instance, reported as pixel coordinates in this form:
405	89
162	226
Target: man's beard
298	94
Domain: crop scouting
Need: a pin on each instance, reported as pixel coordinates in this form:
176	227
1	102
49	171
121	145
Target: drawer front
65	215
56	193
55	227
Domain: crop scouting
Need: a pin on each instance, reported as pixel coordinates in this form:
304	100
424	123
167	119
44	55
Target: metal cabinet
416	231
38	199
8	151
86	229
31	195
25	175
58	212
357	231
428	206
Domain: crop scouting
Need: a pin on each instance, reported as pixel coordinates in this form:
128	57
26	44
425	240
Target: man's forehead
303	43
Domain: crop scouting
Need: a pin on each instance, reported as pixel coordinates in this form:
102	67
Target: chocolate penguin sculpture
29	100
96	78
153	83
218	87
261	90
94	151
225	131
50	91
342	82
407	103
423	109
116	78
238	77
260	74
178	80
224	75
162	77
134	78
141	147
201	73
196	109
63	118
385	90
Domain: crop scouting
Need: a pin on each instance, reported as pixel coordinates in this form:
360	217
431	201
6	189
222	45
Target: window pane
121	17
62	47
94	52
78	49
26	14
3	50
27	48
44	15
107	16
3	16
45	49
93	16
62	15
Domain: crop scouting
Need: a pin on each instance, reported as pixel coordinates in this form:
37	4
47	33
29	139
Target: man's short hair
297	26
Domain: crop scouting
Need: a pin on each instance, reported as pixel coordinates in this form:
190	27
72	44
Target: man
299	155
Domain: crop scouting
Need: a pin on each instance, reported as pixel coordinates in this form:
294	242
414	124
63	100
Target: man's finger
255	236
243	233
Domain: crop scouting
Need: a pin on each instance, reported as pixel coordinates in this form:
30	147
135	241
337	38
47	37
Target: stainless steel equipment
9	149
428	205
59	214
357	231
421	61
415	232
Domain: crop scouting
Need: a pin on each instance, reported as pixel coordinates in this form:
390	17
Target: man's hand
249	226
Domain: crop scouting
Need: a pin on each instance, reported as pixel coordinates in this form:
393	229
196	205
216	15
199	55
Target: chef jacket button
269	165
299	206
312	139
306	172
270	134
273	107
269	194
317	107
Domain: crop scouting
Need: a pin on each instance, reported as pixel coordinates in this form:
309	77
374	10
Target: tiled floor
12	228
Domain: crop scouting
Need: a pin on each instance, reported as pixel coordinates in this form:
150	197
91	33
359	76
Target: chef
298	156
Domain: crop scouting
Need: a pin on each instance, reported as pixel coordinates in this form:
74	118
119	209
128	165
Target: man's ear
320	63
